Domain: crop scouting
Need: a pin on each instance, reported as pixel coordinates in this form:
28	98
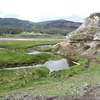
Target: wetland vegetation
15	53
36	81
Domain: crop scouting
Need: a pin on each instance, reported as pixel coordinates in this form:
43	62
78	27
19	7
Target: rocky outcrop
85	40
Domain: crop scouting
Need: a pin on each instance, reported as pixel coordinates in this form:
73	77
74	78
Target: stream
51	65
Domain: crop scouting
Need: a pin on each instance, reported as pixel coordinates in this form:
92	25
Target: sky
45	10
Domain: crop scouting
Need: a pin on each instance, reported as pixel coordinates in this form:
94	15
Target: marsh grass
13	59
73	86
46	85
21	46
36	81
15	55
11	79
75	69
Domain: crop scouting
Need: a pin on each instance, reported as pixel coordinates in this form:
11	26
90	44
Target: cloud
42	10
9	15
76	17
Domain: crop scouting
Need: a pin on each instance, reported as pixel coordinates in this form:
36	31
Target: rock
89	28
57	47
85	40
86	47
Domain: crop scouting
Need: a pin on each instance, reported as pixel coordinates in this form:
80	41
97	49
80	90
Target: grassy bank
13	59
17	78
14	53
37	82
11	79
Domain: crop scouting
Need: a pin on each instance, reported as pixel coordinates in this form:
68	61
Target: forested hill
63	24
14	22
15	26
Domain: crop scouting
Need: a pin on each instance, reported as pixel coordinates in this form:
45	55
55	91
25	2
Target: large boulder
84	40
90	29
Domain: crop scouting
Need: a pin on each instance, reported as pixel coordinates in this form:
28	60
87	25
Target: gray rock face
92	21
90	27
85	39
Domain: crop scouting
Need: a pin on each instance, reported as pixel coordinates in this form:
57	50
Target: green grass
13	59
45	85
75	69
34	36
21	46
11	79
15	53
80	35
36	81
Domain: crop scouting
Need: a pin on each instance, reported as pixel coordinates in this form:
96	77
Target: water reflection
1	48
57	65
34	51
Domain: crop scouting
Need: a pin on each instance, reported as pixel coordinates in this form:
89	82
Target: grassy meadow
34	35
37	81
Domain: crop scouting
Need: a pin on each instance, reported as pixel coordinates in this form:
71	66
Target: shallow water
57	65
34	51
1	48
51	65
23	67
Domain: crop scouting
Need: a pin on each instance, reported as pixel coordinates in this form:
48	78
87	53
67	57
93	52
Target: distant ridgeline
16	26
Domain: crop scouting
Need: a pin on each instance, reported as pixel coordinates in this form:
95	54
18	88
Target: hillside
14	22
50	27
63	24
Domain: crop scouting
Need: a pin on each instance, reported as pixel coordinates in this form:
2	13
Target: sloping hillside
63	24
14	22
61	27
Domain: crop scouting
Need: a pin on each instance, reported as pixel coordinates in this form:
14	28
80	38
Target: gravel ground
90	93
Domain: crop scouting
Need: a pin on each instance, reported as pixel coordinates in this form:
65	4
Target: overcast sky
43	10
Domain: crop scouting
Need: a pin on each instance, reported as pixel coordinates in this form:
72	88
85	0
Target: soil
90	93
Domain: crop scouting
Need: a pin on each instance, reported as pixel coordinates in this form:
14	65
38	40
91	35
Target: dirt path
89	94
